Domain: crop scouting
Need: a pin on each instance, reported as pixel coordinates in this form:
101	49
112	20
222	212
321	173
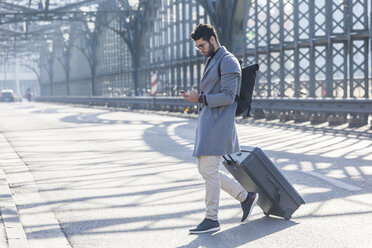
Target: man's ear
212	39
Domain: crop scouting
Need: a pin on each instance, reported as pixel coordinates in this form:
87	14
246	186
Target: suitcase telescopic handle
229	161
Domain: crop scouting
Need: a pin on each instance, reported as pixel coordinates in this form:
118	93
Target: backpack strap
237	99
219	69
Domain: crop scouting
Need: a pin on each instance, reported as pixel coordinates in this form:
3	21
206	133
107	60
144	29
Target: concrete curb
17	174
15	234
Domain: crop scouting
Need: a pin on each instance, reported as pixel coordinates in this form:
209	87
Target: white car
8	96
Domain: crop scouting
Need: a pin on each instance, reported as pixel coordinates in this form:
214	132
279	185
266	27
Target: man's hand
192	96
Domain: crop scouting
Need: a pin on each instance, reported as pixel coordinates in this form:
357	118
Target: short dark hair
204	31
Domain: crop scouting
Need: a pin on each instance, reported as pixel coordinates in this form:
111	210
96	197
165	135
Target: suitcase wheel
287	216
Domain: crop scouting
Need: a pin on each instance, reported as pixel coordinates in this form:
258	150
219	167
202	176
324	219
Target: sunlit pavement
83	177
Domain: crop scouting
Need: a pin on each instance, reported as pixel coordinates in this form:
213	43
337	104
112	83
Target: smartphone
182	92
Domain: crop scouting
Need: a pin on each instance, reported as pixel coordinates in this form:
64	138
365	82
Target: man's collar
211	57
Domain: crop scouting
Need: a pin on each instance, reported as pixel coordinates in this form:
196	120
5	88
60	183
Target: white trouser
214	180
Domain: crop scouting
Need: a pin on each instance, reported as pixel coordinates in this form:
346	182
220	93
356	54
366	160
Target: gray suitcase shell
257	173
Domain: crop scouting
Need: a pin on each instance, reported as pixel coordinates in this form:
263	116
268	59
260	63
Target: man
216	133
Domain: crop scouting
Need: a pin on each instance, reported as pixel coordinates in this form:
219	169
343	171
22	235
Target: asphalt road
84	177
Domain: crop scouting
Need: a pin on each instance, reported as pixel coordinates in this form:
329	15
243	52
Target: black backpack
246	89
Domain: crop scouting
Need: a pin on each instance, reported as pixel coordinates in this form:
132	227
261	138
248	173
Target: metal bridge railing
335	111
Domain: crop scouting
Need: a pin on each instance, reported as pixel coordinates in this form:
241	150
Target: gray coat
216	132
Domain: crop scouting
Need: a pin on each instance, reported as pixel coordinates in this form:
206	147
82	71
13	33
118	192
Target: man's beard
210	50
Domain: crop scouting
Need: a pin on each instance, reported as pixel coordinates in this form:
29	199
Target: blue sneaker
248	204
207	225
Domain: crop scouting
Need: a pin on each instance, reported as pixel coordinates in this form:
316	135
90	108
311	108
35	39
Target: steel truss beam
13	7
50	16
20	8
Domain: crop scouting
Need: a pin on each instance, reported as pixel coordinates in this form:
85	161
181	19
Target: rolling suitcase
254	170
